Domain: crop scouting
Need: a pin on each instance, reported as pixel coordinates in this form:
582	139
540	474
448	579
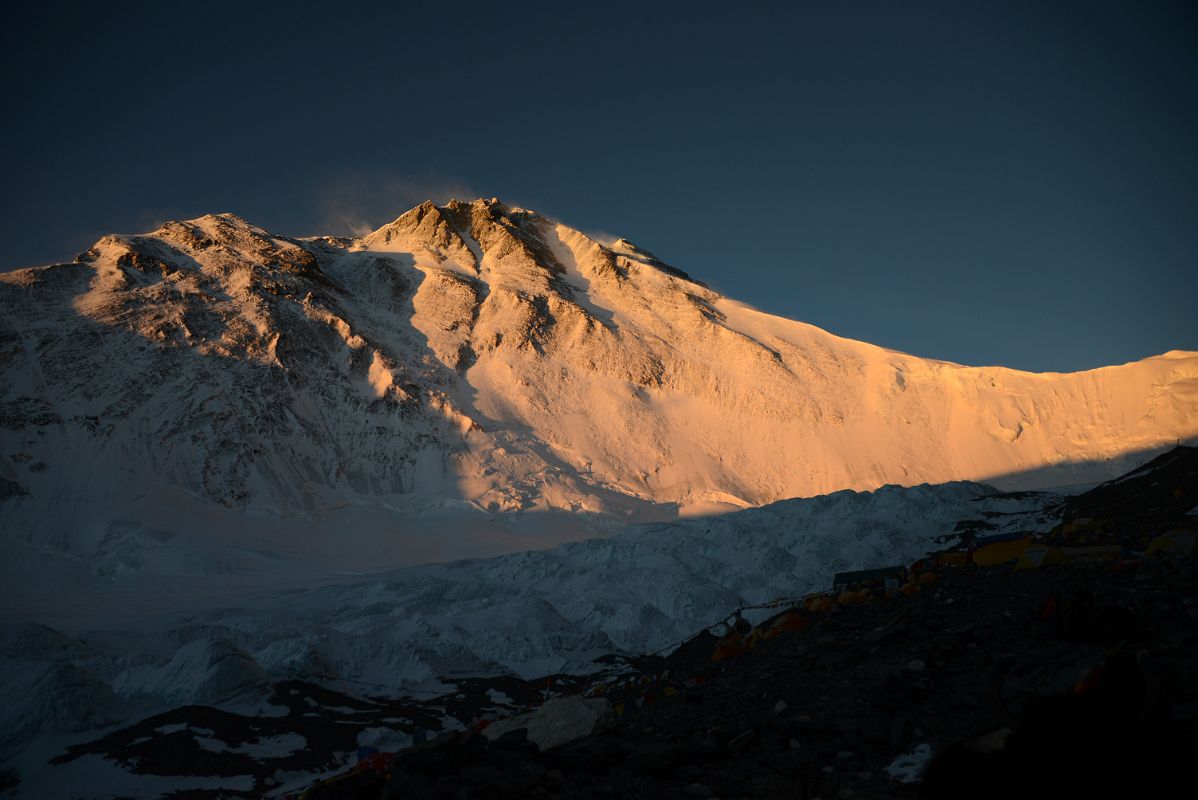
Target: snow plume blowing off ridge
355	202
184	401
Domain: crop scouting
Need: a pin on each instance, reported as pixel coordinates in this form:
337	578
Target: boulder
559	721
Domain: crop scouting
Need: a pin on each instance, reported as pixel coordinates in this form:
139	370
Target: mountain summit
481	354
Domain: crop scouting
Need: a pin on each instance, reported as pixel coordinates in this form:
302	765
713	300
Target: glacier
529	613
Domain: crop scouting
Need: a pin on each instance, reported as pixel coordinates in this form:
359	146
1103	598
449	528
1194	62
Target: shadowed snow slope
530	613
483	358
550	610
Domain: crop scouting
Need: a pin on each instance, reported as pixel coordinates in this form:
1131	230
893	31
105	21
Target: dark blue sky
990	183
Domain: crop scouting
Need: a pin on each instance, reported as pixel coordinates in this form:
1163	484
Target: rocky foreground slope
855	706
482	356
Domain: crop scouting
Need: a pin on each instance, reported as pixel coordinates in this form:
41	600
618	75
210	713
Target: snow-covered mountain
209	433
480	356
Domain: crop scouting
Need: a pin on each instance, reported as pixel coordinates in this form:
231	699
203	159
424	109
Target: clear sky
990	183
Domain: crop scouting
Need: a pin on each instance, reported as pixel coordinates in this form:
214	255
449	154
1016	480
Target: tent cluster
1079	542
741	637
1072	543
645	689
1028	551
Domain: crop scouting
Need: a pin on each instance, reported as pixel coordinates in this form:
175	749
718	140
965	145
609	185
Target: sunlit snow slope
476	355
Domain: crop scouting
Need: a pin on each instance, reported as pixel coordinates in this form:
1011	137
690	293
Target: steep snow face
480	356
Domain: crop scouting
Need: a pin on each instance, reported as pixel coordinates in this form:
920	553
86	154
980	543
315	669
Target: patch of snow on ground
385	739
909	767
273	746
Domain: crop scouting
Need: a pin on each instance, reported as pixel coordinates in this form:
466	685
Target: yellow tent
995	550
1092	552
1035	557
953	558
1175	543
